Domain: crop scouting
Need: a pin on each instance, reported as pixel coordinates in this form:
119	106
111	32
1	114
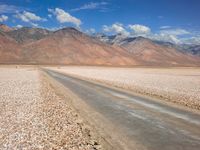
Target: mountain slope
70	46
27	34
151	53
10	50
5	28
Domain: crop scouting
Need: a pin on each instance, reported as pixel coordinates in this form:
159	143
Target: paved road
153	125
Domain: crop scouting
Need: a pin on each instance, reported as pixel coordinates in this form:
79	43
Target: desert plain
177	85
34	116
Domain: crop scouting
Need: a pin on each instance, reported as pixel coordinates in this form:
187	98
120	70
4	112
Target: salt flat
33	116
178	85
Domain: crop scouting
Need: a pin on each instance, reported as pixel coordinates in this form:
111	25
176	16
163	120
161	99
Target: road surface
142	123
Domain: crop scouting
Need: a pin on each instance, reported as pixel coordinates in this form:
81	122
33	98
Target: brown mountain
9	49
70	46
150	53
27	34
5	28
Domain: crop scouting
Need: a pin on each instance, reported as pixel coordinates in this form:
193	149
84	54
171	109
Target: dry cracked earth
33	116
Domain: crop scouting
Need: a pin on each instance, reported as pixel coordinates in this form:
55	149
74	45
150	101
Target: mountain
112	39
119	39
70	46
5	28
9	49
153	54
191	48
27	34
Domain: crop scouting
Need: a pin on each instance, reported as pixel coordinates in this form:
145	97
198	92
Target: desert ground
177	85
33	116
91	108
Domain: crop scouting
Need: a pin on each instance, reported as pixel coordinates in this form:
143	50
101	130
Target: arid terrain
69	46
178	85
33	116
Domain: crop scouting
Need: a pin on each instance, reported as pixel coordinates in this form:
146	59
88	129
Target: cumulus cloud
64	17
116	28
91	5
3	18
139	29
165	38
170	35
29	17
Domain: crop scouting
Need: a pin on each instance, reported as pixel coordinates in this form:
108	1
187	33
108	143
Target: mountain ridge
69	46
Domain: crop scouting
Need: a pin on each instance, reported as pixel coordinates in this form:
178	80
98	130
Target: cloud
64	17
29	17
9	8
92	5
168	34
49	15
90	31
175	32
19	26
165	38
35	24
116	28
165	27
139	29
3	18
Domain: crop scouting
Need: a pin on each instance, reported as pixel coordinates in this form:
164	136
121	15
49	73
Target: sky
176	21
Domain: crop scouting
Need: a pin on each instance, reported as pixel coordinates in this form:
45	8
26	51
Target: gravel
178	85
33	116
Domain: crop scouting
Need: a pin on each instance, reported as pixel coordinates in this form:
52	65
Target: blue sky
170	20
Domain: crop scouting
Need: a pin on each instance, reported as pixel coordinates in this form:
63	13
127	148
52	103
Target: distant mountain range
120	39
68	46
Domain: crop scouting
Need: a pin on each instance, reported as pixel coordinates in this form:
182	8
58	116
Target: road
142	123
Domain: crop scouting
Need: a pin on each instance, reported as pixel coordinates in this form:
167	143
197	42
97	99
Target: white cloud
175	32
165	38
92	5
29	17
9	8
170	35
49	15
191	40
64	17
140	29
19	26
165	27
90	31
34	24
3	18
116	28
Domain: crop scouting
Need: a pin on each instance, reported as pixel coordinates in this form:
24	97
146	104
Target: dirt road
135	122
